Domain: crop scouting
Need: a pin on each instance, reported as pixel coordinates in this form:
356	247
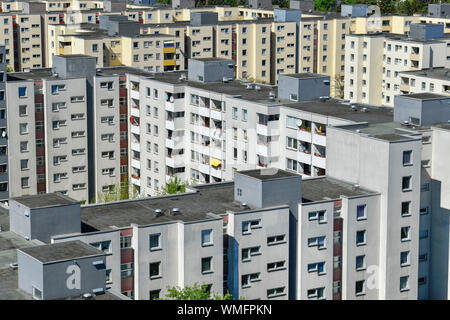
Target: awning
215	162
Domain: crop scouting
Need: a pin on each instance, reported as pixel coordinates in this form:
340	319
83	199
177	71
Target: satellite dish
4	134
299	123
171	99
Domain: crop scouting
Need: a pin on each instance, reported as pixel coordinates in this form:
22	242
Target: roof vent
405	123
271	95
13	266
244	204
225	79
324	98
354	107
249	86
358	131
87	296
355	186
364	109
182	77
175	211
159	212
257	87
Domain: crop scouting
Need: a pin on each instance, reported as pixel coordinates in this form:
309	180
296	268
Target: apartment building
70	128
205	126
3	123
374	61
433	80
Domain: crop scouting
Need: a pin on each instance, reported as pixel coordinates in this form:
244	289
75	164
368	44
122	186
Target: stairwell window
360	288
22	92
273	240
405	234
407	158
247	226
76	99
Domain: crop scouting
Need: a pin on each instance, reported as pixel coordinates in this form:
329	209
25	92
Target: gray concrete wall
304	5
283	15
306	89
359	10
30	273
183	4
55	277
18	221
3	140
439	10
429	112
47	222
426	31
260	4
204	18
210	71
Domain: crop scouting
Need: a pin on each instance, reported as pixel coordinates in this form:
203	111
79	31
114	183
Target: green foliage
175	185
195	292
9	68
120	191
324	5
337	87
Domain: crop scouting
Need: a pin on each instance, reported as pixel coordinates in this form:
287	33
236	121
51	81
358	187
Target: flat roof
215	198
9	243
211	59
4	219
391	131
325	188
45	200
342	110
268	173
426	96
62	251
306	75
435	73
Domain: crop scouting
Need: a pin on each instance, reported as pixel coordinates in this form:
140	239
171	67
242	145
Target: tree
9	68
117	192
324	5
338	86
195	292
387	6
175	185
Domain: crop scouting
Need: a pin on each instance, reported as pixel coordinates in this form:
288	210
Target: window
207	265
405	234
247	226
423	234
404	283
207	237
406	208
24	164
360	263
360	237
404	258
250	252
317	215
317	267
155	242
25	182
318	242
407	158
24	146
154	294
23	128
22	110
360	288
244	115
423	257
271	293
275	266
317	293
155	271
361	212
276	239
247	278
104	246
406	183
125	242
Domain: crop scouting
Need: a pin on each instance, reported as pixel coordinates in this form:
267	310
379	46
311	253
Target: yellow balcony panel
169	49
170	62
61	50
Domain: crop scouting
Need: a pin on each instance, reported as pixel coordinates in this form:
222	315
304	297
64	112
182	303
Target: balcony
304	135
169	62
175	142
176	106
135	163
271	129
304	157
135	180
216	115
136	146
204	168
169	49
405	87
318	161
414	56
204	112
319	139
135	129
216	172
175	161
134	112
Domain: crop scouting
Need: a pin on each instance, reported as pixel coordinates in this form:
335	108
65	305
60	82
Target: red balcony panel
40	187
41	150
40	169
39	98
124	144
123	177
337	296
124	161
123	127
39	116
337	274
127	284
126	232
123	109
337	249
126	256
337	225
123	92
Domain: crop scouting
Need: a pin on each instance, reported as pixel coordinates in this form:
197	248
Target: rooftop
390	131
425	96
194	206
268	174
305	75
342	110
44	200
62	251
4	219
435	73
324	188
9	242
